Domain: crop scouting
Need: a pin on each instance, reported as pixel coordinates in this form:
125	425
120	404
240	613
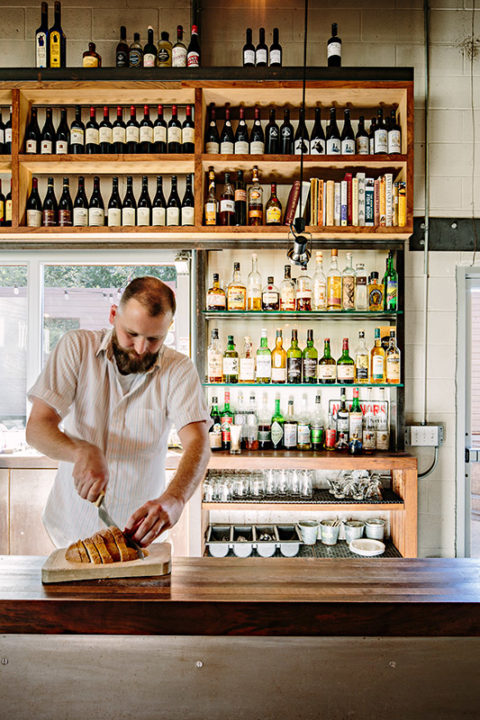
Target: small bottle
309	361
303	294
212	138
121	52
114	210
270	295
257	136
240	200
34	206
179	50
214	359
230	362
362	359
187	210
348	285
277	424
173	205
287	291
216	299
149	51
334	146
377	360
294	361
144	206
164	52
247	362
375	293
317	426
248	52
159	205
275	50
227	203
135	52
215	432
279	360
255	200
334	48
361	289
327	367
242	139
361	138
96	208
227	421
263	360
90	57
236	291
211	204
392	361
49	207
261	51
334	284
319	284
345	366
347	138
193	50
273	208
290	428
227	139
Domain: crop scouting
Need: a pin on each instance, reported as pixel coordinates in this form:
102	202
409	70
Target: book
369	202
402	204
355	202
348	179
361	198
382	202
376	202
292	203
313	201
303	197
388	199
321	203
329	202
343	203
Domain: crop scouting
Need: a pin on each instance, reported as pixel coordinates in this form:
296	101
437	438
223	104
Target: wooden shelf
299	315
5	163
135	164
308	460
317	386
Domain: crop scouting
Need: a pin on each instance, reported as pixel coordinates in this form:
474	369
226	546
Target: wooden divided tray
57	569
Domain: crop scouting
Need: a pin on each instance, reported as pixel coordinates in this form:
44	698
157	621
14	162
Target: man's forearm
190	471
48	439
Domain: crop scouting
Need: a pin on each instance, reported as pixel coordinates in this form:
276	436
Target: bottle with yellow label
375	293
211	204
236	291
334	284
273	209
57	40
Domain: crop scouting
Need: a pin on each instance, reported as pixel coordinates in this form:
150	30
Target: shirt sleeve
57	383
186	401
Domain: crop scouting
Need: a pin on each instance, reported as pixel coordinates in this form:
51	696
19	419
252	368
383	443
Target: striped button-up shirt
81	382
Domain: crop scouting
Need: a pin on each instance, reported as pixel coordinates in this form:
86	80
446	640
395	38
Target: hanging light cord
304	82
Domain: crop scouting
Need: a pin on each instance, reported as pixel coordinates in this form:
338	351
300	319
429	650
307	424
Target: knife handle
99	499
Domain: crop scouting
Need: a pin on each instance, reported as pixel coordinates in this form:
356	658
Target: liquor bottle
251	425
380	135
334	284
272	135
211	205
8	208
149	51
309	360
362	359
90	57
132	132
240	416
257	137
230	362
369	429
333	136
164	51
377	360
290	428
317	427
193	50
361	294
179	50
92	135
345	366
394	136
382	432
7	146
246	372
254	286
343	416
135	52
294	361
121	52
276	428
114	210
80	205
240	200
159	205
160	132
273	208
390	285
255	200
215	432
334	48
242	142
318	143
212	138
361	139
105	133
275	50
96	208
47	136
302	140
145	144
392	361
49	207
174	133
327	367
371	138
375	293
41	40
32	134
261	51
129	205
304	428
227	421
57	40
303	293
270	295
62	136
348	285
236	291
263	360
287	291
214	359
264	425
34	206
65	206
319	284
119	133
2	207
227	139
248	51
188	132
347	138
188	204
286	134
144	206
355	419
216	295
173	205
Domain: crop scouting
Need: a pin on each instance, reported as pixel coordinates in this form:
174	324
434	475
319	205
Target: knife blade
105	517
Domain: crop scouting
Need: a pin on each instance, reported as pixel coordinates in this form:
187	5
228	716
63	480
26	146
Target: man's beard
128	362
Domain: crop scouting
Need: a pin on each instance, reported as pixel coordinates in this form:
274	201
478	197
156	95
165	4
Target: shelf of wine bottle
304	385
108	164
300	315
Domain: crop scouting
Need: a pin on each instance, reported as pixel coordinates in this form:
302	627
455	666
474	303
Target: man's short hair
155	296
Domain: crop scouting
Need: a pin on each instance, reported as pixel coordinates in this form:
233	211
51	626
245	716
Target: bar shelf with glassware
300	314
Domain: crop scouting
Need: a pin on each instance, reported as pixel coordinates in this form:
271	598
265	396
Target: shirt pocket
144	430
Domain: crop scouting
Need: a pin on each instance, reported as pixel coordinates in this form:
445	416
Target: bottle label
334	293
382	440
226	148
257	147
193	59
64	218
119	134
8	211
210	213
34	218
319	295
290	435
163	57
301	145
241	147
287	299
146	133
348	292
135	58
375	298
275	57
105	134
48	218
121	58
96	217
230	366
55	60
133	133
77	136
391	293
149	60
261	56
240	195
333	146
159	134
334	49
226	423
368	439
294	370
309	368
380	141
128	216
46	147
249	57
227	205
361	364
41	50
215	437
179	56
91	136
318	432
377	367
270	298
317	146
173	216
303	434
327	372
143	216
236	299
174	134
247	370
348	146
342	423
273	215
212	148
393	369
8	135
31	146
90	61
276	433
188	215
394	141
216	300
264	435
61	147
188	135
264	366
279	375
330	437
345	373
80	217
114	217
363	146
356	425
158	216
215	366
304	296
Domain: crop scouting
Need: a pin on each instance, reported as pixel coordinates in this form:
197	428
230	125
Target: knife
105	516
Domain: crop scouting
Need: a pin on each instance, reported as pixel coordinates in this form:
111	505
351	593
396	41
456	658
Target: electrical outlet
424	435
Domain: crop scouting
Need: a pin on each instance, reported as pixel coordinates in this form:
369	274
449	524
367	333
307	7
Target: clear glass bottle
348	285
287	291
303	293
369	430
236	291
361	290
264	425
382	433
392	361
251	425
264	360
334	284
215	359
230	362
279	360
247	362
377	360
319	283
270	295
290	428
254	286
304	429
362	359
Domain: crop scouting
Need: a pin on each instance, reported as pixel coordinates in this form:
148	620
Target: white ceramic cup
375	528
308	531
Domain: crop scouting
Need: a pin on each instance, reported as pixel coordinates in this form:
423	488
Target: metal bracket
446	234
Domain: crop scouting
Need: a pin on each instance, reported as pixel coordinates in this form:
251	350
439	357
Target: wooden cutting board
57	569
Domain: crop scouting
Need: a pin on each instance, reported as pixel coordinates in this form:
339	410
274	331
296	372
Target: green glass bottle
226	420
230	362
327	367
294	361
309	360
277	426
264	361
390	285
345	366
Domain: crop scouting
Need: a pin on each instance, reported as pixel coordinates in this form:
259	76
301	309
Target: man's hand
150	520
90	471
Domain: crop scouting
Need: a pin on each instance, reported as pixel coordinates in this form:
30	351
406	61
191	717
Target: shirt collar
106	347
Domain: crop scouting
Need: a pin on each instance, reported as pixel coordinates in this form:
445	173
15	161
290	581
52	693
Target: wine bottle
50	206
275	50
164	52
41	40
65	206
179	50
32	134
380	134
57	40
255	200
146	132
8	208
114	210
272	135
62	137
334	48
333	136
188	205
135	52
80	205
121	52
149	51
173	204
371	136
211	205
105	132
193	50
7	147
248	50
160	132
96	208
77	133
188	132
347	138
240	200
129	205
361	139
144	207
174	133
227	139
261	51
318	143
257	137
394	139
47	137
302	141
2	206
34	206
242	143
2	135
159	206
286	134
212	138
92	135
119	132
227	203
132	132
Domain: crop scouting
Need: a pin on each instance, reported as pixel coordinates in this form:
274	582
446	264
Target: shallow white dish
367	547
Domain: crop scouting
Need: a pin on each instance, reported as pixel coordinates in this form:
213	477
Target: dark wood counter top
256	596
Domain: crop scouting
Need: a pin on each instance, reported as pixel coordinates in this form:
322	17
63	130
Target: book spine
303	197
330	202
376	199
355	202
395	204
336	207
369	202
382	202
292	203
344	203
321	204
402	204
361	199
388	199
348	178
